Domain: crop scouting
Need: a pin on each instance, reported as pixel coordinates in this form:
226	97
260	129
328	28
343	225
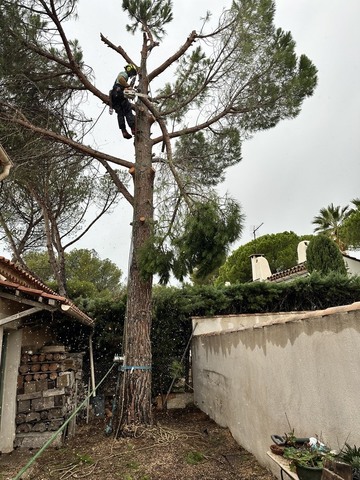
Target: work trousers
122	107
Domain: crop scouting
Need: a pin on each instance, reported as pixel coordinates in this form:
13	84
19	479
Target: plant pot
308	473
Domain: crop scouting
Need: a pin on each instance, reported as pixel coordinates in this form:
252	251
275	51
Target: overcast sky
287	173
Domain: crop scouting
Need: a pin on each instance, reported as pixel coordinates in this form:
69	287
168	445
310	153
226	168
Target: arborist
120	103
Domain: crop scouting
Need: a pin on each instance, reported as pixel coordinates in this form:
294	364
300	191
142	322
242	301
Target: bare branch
190	40
5	162
19	119
102	212
119	184
118	49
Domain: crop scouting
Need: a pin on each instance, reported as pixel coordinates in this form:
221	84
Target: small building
41	336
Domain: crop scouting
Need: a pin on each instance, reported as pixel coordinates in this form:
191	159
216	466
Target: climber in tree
120	103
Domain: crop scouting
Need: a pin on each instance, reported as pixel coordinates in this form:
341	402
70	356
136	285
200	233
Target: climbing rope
52	438
160	436
157	436
93	124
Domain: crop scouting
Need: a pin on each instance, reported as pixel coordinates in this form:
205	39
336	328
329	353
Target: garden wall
254	373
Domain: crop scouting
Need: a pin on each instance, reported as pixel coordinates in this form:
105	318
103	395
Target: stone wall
47	393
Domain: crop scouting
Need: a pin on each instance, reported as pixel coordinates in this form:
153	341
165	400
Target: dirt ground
182	444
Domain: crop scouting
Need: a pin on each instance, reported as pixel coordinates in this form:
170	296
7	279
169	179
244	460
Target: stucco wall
353	265
301	367
8	411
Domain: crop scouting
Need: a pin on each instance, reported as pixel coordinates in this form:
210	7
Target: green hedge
174	307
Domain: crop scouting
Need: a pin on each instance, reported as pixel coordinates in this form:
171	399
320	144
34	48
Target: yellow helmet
131	70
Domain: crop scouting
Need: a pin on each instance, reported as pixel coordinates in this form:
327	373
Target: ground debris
181	444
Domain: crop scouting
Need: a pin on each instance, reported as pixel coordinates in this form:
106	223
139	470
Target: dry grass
182	444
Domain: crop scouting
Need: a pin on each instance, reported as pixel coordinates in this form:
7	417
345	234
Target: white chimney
301	251
260	268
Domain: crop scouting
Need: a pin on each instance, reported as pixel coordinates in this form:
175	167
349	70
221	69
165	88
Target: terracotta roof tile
6	283
30	290
299	269
19	279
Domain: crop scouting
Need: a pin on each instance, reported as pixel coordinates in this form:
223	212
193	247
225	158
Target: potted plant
351	456
307	461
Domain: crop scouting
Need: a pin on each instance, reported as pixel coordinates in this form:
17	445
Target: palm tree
356	203
330	220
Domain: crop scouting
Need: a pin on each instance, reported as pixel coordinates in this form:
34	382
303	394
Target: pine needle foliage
209	229
201	247
154	14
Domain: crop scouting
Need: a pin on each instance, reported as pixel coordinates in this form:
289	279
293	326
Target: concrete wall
303	367
8	411
352	265
15	338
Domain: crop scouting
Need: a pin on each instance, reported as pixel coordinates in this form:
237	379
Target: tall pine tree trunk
137	345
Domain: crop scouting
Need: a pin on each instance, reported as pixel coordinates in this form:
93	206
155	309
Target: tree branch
15	250
103	211
119	184
5	162
118	49
73	65
190	40
20	119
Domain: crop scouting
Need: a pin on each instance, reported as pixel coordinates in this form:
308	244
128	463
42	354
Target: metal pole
92	369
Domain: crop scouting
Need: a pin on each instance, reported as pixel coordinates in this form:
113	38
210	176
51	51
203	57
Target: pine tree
240	78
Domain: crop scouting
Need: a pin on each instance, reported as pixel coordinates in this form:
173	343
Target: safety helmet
131	70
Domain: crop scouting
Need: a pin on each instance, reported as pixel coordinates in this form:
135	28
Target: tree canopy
350	229
87	275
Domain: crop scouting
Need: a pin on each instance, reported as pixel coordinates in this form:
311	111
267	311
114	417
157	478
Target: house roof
18	284
299	270
349	256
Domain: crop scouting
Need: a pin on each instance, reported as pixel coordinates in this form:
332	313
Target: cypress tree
324	256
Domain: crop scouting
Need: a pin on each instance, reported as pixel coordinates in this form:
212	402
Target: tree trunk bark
137	346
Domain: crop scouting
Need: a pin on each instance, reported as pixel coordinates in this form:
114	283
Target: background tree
87	275
5	164
280	250
48	206
323	256
329	222
240	78
350	229
47	199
